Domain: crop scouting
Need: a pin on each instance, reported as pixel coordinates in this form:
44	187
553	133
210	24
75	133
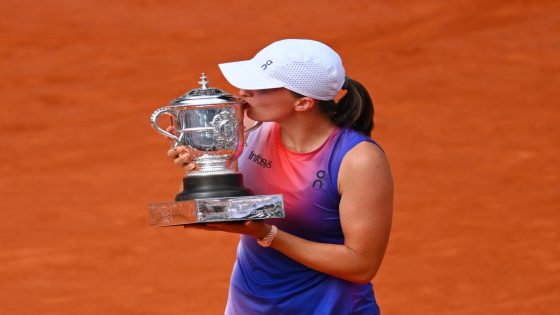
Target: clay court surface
467	110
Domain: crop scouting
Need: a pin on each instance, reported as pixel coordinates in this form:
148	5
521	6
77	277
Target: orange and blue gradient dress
265	281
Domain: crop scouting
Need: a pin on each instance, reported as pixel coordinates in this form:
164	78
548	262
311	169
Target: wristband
267	240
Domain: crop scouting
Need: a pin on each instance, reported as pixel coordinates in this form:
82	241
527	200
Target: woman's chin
256	117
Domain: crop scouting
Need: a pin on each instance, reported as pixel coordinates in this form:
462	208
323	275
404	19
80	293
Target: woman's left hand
256	229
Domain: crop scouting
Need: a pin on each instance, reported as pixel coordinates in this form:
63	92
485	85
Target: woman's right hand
181	158
180	155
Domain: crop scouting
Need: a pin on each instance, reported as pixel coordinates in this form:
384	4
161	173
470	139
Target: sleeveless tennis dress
264	281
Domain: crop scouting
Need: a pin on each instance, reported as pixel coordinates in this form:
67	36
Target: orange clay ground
467	109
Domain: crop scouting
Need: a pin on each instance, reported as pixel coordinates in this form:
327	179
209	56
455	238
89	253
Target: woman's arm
366	188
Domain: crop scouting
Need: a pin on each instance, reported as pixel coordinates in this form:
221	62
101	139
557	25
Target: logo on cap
266	64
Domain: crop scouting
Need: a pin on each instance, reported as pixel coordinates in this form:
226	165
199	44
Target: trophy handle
168	111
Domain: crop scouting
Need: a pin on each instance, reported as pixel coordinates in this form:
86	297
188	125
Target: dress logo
256	158
318	183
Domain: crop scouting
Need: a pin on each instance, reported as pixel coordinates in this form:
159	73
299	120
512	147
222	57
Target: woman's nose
245	93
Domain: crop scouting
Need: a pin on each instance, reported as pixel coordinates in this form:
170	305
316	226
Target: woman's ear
304	104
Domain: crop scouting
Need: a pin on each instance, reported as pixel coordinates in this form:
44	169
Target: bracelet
267	240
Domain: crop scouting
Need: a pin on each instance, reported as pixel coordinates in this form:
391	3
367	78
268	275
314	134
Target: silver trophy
209	123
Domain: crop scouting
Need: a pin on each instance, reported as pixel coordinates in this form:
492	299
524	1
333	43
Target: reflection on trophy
209	123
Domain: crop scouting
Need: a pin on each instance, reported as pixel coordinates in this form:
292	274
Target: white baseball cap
307	67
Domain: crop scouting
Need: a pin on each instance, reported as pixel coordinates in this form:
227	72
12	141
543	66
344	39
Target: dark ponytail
354	110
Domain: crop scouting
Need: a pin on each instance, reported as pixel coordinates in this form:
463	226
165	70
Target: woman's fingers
181	157
174	152
200	226
256	229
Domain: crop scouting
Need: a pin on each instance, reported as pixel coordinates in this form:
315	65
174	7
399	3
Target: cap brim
244	75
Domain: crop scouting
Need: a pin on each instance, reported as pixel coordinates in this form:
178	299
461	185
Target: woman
335	180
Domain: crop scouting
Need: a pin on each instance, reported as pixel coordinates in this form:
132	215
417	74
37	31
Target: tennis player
336	182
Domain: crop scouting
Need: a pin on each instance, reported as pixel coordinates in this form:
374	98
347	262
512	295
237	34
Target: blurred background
467	104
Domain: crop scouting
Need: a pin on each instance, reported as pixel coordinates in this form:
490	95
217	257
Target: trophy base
213	186
224	209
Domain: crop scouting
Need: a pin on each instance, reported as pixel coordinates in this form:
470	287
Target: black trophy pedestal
213	186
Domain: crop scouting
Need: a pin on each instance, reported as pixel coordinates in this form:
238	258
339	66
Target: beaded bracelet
267	240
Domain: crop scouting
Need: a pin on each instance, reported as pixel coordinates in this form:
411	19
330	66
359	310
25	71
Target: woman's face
270	104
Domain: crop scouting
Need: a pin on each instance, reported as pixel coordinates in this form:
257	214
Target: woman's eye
266	91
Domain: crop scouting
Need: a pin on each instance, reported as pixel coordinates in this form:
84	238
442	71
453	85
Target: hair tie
345	84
